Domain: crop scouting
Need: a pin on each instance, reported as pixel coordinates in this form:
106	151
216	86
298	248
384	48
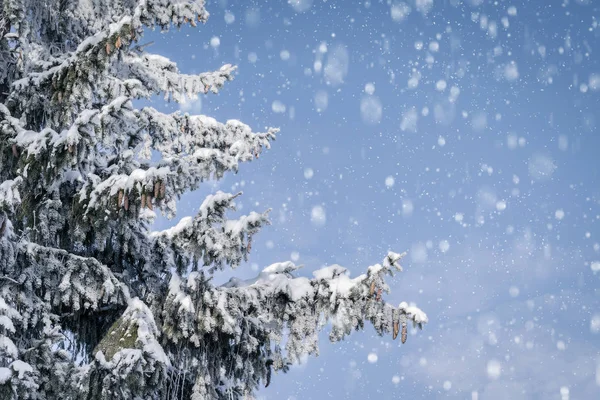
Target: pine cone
120	199
379	295
108	48
143	200
118	42
396	329
404	333
372	289
126	202
163	189
156	189
15	151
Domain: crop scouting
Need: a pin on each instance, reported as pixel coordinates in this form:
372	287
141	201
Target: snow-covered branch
209	237
160	75
194	148
78	283
254	315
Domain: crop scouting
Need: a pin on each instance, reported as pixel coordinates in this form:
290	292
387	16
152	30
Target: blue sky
466	132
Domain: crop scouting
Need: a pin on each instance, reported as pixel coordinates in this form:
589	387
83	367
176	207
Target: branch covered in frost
175	134
209	236
160	75
206	149
78	72
16	375
254	315
71	282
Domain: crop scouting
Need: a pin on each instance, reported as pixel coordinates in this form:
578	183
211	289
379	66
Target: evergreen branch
95	54
72	280
253	314
209	236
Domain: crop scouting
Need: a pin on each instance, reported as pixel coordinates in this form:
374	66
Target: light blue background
513	302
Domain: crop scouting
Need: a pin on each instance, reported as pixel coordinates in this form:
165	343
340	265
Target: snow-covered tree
93	305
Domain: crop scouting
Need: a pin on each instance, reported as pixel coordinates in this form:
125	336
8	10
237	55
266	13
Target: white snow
300	6
138	314
424	6
594	82
229	17
414	79
5	375
329	272
9	195
318	216
6	323
511	72
215	42
321	100
494	369
407	208
595	324
8	347
372	358
370	88
410	118
413	312
389	182
399	11
371	109
278	107
21	368
336	67
444	246
541	167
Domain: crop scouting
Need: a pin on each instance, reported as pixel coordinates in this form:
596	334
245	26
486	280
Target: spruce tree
93	304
